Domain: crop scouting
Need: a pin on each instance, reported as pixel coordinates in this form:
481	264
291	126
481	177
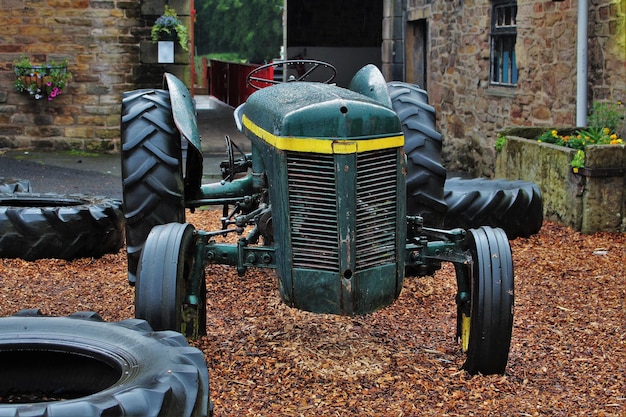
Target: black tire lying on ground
422	145
514	206
36	226
82	366
14	185
152	176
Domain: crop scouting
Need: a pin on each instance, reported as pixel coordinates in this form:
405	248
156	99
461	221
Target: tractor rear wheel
422	144
152	176
485	334
164	277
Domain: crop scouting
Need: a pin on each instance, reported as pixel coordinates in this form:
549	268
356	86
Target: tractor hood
320	111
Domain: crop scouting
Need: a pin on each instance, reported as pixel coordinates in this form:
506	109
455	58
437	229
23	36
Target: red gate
228	81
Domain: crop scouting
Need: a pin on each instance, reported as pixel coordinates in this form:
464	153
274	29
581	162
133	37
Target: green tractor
322	198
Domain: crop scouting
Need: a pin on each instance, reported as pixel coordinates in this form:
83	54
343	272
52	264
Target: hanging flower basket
168	27
41	81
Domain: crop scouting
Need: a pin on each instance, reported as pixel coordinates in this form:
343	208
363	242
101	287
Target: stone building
490	64
446	46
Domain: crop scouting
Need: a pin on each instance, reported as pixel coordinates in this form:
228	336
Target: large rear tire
81	366
36	226
485	333
422	144
164	277
152	176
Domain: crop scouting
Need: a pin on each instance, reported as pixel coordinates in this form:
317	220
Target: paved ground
66	172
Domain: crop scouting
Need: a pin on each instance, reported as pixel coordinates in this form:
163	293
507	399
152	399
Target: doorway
416	64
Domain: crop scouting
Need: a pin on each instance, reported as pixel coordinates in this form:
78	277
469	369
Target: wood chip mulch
568	354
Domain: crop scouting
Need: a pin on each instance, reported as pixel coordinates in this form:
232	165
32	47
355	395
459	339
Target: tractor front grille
314	217
313	211
376	209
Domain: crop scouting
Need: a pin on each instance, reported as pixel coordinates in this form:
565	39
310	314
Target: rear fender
184	114
370	82
183	110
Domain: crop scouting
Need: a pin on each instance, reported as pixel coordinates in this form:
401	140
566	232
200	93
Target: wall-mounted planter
165	53
44	81
149	53
592	200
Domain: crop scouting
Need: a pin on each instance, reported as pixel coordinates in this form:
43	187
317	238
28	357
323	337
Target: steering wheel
304	68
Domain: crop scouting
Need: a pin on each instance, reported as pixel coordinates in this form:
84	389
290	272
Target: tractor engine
334	165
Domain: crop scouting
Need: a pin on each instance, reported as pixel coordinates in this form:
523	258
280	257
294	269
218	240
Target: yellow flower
554	133
613	137
607	130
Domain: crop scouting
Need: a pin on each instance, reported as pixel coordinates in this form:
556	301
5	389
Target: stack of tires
514	206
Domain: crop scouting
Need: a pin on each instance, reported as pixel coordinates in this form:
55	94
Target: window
503	34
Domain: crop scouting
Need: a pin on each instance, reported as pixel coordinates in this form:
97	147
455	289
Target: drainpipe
285	55
581	64
192	46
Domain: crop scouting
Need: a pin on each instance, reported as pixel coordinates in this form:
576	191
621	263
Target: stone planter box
592	200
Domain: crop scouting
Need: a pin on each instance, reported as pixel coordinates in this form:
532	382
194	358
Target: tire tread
153	187
36	226
425	172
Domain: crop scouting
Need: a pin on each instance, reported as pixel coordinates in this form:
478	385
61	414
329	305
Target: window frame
503	72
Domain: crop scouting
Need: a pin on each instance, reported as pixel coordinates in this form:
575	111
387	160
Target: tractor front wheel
484	326
167	295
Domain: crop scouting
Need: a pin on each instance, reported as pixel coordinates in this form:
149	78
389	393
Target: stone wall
393	43
149	72
592	200
470	112
106	44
